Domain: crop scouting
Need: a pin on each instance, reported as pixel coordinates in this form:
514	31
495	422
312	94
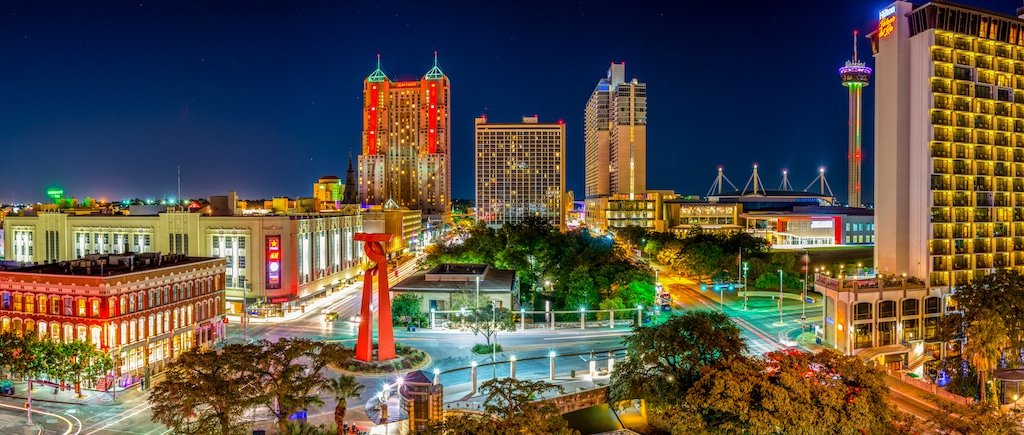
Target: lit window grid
519	173
977	158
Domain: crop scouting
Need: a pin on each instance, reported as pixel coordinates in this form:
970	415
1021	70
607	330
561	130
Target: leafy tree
343	388
15	355
488	322
290	373
636	293
406	308
510	407
83	362
206	393
581	291
702	259
1000	293
987	337
822	393
975	418
666	360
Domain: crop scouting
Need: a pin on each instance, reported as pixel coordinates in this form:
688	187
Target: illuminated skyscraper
855	76
520	171
615	138
406	142
949	141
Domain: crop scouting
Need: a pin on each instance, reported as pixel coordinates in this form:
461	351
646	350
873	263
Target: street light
745	291
477	292
494	346
780	297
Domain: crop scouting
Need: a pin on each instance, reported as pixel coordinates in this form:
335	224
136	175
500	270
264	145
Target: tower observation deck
855	75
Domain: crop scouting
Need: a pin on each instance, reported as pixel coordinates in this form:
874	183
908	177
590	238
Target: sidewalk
46	393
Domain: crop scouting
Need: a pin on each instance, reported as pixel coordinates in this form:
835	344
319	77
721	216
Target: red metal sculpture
374	249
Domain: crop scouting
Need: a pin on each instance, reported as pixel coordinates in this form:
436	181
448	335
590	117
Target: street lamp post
477	292
780	297
494	346
745	286
245	313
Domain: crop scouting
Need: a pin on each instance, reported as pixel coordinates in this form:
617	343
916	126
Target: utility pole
245	314
745	286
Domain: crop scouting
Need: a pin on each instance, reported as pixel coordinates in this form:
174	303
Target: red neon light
273	262
432	113
837	225
371	140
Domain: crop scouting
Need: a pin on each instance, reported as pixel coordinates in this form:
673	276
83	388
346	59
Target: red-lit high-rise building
406	142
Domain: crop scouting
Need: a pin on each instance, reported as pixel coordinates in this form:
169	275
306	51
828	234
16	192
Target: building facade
277	261
949	142
646	210
406	142
520	171
142	309
404	225
615	139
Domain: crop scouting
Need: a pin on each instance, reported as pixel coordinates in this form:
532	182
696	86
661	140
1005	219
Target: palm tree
986	337
343	387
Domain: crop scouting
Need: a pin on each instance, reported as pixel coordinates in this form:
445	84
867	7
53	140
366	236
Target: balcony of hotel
866	281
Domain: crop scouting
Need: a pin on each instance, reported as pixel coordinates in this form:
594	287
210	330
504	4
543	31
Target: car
331	316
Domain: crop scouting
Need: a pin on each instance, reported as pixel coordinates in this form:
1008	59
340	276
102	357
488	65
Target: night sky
106	99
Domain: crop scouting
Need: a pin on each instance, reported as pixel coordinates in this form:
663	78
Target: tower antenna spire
378	60
854	45
435	58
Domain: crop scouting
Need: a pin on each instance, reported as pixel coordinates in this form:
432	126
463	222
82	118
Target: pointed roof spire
855	46
377	75
435	72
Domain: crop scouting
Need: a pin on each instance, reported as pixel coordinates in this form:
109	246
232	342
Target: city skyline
233	92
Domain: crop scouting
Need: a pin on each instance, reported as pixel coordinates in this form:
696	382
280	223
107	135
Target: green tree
510	407
1000	293
820	393
986	339
15	356
702	259
84	363
406	308
636	293
487	322
581	290
343	388
290	372
975	418
665	360
206	393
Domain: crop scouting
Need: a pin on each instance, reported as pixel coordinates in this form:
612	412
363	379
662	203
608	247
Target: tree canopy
509	408
583	269
665	360
791	393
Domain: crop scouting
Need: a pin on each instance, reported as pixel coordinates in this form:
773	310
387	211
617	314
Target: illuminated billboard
273	262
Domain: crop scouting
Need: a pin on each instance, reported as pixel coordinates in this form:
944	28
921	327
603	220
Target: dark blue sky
106	98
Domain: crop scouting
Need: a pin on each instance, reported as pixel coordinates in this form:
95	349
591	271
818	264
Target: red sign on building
273	262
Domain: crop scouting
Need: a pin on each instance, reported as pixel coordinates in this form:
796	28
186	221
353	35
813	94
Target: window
886	309
931	305
911	307
95	308
5	301
862	311
69	306
81	308
30	304
17	302
862	335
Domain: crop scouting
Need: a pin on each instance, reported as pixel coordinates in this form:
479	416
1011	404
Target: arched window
931	305
911	307
886	309
862	311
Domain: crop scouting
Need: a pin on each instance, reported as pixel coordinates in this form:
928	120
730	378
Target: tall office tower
615	135
406	142
520	171
855	76
949	182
